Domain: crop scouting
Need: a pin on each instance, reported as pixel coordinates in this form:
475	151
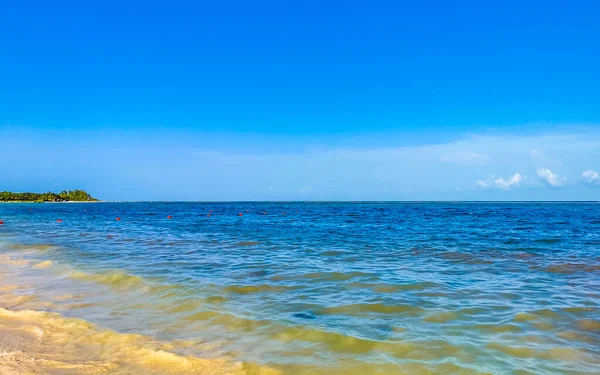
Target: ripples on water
336	288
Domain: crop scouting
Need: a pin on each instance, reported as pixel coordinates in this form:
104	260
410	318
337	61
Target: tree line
63	196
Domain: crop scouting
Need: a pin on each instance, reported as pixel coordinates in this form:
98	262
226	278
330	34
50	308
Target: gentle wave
353	289
366	308
96	351
116	278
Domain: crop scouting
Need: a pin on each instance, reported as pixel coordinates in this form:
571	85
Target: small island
63	196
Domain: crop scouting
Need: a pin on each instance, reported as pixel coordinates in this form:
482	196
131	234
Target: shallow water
326	288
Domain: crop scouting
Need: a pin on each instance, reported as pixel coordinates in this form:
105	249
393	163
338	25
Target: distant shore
64	196
28	202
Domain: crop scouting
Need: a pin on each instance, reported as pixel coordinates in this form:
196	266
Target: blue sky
448	100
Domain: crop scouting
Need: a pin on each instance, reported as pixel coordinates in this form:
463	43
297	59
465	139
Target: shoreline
40	342
36	341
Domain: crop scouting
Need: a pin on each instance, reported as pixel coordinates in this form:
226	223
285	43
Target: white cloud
242	166
514	180
465	158
590	177
549	178
501	183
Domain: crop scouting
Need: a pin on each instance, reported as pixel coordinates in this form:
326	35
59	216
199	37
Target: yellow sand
37	342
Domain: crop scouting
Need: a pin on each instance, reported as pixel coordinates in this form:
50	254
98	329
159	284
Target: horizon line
322	201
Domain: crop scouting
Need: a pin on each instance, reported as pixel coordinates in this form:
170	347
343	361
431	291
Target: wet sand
39	342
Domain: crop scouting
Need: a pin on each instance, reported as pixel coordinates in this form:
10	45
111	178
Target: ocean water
326	288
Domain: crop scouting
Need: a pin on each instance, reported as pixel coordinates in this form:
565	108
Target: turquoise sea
327	288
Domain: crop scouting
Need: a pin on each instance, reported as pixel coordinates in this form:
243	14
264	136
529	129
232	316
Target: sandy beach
33	341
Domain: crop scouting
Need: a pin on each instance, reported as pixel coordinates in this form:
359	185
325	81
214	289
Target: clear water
330	288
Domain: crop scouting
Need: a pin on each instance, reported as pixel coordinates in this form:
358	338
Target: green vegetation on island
63	196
